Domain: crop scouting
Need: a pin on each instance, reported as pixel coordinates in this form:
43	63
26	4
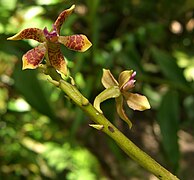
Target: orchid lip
51	36
131	83
133	75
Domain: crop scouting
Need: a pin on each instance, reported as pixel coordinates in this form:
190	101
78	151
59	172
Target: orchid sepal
136	101
76	42
62	17
33	57
112	92
29	33
108	79
121	112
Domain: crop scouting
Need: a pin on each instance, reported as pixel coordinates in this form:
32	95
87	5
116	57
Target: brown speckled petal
29	33
56	58
75	42
61	18
33	57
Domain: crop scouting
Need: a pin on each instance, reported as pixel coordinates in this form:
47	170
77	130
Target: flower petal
77	42
121	112
29	33
61	18
56	58
108	80
124	77
136	101
33	57
112	92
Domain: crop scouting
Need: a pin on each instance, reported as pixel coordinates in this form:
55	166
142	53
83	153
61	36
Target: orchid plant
50	44
49	50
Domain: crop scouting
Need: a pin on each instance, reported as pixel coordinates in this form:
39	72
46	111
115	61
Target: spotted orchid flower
50	44
120	91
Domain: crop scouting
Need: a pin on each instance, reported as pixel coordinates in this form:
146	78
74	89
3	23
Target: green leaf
168	119
130	55
28	85
168	66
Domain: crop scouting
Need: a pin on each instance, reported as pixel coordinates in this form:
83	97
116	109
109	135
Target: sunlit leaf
18	105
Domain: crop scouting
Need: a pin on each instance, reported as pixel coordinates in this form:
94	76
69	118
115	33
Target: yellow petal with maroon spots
29	33
75	42
56	58
34	57
61	18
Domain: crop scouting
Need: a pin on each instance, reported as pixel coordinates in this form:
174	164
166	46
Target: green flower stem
107	127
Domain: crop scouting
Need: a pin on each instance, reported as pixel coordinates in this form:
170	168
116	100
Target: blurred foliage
44	136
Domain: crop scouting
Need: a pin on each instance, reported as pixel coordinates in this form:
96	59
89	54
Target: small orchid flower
50	44
120	91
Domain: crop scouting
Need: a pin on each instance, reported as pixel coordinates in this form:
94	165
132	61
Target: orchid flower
120	91
50	44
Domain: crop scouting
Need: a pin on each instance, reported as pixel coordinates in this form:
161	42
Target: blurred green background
44	136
